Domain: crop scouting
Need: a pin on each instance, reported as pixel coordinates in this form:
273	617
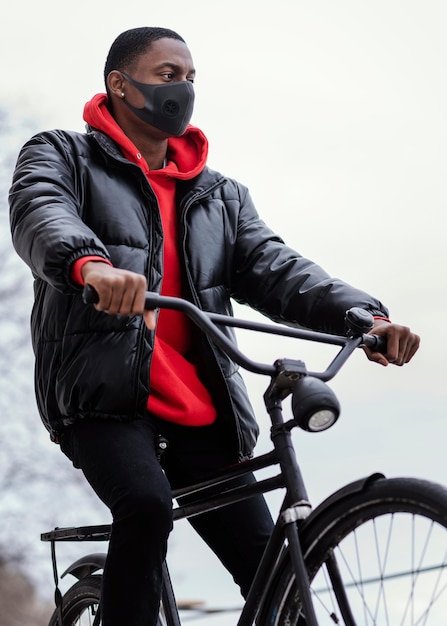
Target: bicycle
374	552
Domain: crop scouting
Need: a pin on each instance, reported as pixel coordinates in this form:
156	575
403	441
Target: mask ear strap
129	79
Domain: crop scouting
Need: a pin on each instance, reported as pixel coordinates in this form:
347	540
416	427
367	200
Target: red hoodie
177	393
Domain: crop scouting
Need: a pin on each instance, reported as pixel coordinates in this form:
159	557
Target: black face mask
168	106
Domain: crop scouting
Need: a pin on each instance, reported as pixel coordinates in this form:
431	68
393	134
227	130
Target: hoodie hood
186	155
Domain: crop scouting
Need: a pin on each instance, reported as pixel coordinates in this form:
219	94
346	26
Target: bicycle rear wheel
81	602
389	543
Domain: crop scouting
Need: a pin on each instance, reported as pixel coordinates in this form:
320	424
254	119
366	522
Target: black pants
119	461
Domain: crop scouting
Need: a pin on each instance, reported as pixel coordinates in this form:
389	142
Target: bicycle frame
295	506
201	497
204	500
284	373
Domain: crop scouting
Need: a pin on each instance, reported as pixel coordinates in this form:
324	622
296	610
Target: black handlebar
90	295
358	320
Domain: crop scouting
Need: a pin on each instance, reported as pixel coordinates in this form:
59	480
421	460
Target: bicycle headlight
315	406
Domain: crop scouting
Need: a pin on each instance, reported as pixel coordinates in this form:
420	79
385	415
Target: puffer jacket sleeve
46	205
285	286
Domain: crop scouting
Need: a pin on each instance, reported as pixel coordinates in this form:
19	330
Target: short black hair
131	44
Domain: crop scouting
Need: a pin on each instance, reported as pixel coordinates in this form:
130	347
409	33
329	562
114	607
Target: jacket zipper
141	337
185	205
184	208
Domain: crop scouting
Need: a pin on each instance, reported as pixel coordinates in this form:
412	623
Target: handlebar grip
152	300
376	343
90	295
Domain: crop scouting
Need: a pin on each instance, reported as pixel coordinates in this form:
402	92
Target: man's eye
168	75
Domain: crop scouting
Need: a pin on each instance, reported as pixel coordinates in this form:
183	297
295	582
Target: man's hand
120	292
402	344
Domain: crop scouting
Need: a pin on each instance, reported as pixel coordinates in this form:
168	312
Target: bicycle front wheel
378	556
80	605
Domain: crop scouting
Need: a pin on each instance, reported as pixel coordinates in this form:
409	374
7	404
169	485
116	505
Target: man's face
155	92
167	61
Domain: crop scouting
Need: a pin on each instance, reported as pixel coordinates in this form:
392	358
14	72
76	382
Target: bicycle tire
80	604
390	543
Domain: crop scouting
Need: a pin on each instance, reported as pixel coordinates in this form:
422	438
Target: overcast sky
334	114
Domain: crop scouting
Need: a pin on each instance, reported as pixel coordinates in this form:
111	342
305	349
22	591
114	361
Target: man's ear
115	83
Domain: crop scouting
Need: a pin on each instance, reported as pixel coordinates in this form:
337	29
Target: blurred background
334	115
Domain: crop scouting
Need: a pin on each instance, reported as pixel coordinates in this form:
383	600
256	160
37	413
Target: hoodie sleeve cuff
76	268
382	317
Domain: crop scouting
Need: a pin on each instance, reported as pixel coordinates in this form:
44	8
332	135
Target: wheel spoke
385	548
393	594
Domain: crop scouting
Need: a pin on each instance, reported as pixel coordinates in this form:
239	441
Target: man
129	206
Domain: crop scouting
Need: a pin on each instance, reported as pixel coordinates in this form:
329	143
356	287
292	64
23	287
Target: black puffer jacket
75	195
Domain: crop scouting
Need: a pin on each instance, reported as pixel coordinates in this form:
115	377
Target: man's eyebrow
174	66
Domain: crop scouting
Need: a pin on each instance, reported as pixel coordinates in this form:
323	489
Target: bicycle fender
356	486
86	565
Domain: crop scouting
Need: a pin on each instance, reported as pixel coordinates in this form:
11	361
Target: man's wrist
381	318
